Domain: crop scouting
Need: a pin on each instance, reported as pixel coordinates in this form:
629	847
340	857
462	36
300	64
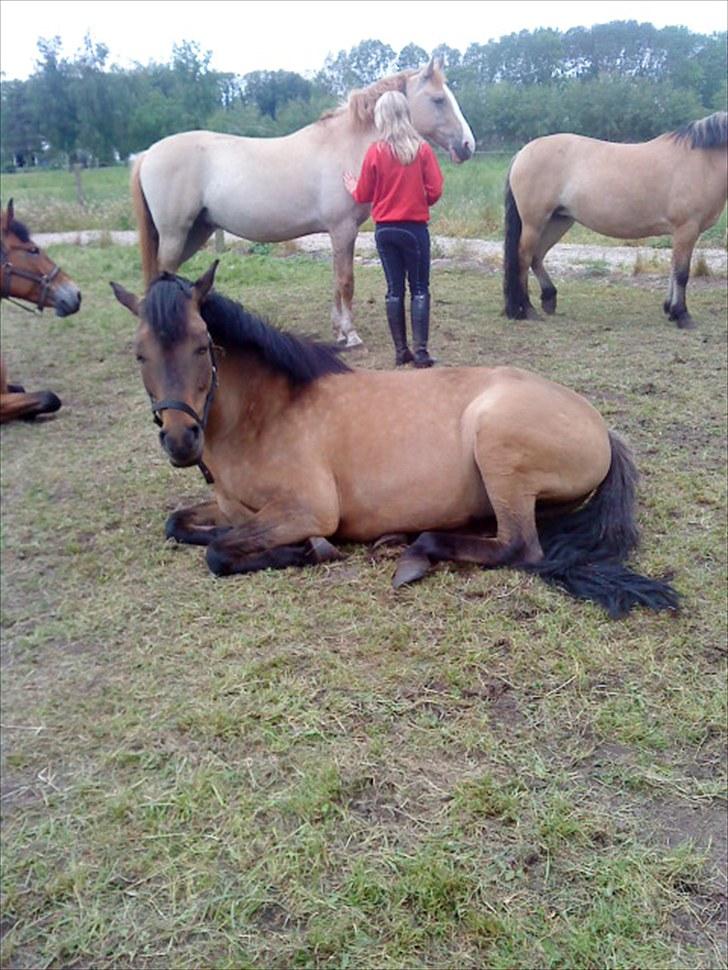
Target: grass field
307	769
471	206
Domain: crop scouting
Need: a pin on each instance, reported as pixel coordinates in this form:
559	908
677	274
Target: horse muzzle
66	300
183	446
460	152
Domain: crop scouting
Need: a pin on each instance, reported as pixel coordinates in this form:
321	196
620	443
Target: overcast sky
247	35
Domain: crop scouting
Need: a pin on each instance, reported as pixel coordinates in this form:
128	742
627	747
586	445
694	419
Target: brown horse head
28	273
436	114
174	351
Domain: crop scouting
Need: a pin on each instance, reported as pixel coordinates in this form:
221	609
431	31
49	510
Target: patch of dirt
564	257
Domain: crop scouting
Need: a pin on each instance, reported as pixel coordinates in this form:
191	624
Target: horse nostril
162	437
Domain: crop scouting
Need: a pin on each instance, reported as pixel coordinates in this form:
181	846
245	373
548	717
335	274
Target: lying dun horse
675	184
30	275
274	189
276	422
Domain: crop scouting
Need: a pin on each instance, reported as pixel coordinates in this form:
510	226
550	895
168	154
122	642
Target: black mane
234	328
20	230
710	132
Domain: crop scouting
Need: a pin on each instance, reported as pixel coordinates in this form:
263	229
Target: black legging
404	249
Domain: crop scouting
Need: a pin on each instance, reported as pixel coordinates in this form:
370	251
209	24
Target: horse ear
428	71
10	214
126	299
204	284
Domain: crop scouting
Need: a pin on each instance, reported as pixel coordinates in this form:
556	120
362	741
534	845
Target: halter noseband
172	404
45	280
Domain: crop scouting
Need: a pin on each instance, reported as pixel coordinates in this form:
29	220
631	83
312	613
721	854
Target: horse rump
584	552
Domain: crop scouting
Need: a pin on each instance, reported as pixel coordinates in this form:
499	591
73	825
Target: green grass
471	206
307	769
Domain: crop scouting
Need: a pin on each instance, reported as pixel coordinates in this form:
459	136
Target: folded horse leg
313	551
516	543
26	405
197	525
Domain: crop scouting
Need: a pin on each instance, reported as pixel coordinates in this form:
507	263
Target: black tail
516	300
584	552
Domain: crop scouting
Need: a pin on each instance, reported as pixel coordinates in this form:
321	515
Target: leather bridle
172	404
44	279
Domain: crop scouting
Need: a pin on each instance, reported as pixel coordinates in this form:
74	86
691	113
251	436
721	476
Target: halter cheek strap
171	404
45	280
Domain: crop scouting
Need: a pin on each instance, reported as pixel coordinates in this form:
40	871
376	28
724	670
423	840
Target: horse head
436	114
175	356
28	273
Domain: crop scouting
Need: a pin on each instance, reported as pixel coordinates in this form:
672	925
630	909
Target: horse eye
141	358
440	101
201	351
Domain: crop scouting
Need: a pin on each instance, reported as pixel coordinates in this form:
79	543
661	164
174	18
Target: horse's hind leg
342	244
683	244
556	227
515	544
527	249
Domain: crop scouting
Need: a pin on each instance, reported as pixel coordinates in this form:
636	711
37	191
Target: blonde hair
394	124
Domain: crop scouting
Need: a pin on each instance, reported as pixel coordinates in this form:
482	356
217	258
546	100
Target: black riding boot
421	329
396	321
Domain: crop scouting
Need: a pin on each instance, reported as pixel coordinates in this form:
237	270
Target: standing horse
274	189
276	422
29	274
675	184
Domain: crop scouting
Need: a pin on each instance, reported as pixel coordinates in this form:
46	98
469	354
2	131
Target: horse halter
45	280
172	404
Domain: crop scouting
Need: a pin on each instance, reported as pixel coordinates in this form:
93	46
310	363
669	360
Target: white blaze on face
468	138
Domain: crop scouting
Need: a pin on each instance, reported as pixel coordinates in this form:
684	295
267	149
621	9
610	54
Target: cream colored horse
274	189
673	185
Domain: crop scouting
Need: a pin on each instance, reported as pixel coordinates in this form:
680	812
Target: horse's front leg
342	245
197	525
278	536
683	244
27	405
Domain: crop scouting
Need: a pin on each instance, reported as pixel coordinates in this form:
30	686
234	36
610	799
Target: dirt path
564	256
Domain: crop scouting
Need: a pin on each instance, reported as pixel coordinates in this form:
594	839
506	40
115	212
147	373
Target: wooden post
80	198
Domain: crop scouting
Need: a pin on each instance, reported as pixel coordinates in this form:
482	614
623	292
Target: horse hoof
320	550
548	307
685	322
353	339
411	567
50	402
217	563
16	389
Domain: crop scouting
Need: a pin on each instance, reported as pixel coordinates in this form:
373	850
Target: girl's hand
350	181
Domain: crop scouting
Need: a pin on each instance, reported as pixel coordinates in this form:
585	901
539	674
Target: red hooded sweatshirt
399	193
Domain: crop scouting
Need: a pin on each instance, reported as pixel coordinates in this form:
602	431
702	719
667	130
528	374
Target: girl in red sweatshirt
401	177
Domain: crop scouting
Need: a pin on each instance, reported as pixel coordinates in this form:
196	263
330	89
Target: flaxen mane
710	132
360	104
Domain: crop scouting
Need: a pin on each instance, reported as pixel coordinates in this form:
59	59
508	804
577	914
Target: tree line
623	81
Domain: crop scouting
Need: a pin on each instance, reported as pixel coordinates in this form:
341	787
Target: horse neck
354	136
249	394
